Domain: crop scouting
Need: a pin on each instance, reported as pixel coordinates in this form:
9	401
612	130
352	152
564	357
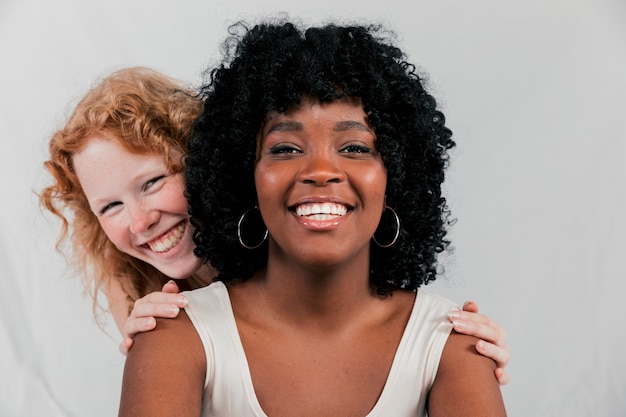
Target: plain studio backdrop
535	94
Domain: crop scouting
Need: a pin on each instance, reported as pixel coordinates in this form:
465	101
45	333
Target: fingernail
172	310
480	345
458	325
454	315
182	301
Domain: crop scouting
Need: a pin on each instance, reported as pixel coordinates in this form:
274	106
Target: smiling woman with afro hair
270	69
329	134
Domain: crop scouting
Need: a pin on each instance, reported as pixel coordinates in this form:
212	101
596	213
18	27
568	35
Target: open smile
321	211
321	215
168	240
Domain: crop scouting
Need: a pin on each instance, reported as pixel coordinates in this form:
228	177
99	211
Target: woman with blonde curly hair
143	115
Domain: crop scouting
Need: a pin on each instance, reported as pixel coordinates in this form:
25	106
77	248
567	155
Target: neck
314	292
202	277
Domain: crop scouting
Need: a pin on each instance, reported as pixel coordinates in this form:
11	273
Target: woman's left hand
165	303
493	337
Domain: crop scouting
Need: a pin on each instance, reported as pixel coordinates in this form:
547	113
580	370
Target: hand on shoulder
468	374
168	369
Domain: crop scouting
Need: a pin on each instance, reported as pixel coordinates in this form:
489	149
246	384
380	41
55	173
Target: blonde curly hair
144	111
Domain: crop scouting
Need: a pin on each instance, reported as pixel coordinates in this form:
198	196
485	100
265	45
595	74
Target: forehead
101	145
313	110
109	143
102	156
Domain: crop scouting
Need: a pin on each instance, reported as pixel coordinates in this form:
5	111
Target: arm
164	372
465	385
119	304
165	304
493	337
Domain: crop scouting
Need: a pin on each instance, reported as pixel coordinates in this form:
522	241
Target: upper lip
160	235
320	199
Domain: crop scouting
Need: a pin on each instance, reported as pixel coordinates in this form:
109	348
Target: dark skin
156	371
474	393
275	356
348	380
318	340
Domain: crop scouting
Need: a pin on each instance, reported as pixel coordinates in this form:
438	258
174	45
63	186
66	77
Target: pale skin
141	208
318	340
137	200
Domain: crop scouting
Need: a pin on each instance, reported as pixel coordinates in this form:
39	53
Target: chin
182	268
178	274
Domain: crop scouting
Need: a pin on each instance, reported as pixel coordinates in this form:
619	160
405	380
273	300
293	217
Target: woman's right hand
165	304
493	337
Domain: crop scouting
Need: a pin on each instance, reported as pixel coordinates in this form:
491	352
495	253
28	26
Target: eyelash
283	149
151	182
144	188
108	206
357	149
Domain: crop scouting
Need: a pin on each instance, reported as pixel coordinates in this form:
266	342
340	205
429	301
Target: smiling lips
321	211
168	240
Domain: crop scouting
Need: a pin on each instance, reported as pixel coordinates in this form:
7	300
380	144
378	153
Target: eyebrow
285	127
342	126
350	124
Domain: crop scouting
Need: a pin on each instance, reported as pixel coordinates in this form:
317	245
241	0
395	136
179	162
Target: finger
125	345
138	325
145	310
148	304
478	325
485	332
171	287
497	353
161	297
467	315
470	306
502	377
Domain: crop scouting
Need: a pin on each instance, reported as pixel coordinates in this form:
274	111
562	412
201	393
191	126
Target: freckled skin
137	200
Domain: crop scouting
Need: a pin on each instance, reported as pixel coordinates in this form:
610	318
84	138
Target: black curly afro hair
269	68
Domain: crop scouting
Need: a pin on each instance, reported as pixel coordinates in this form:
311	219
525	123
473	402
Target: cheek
173	197
268	185
375	181
115	231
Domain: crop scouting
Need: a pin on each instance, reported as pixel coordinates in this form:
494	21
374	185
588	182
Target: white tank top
228	389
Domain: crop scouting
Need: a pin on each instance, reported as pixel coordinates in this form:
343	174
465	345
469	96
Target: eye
354	148
284	150
108	207
151	182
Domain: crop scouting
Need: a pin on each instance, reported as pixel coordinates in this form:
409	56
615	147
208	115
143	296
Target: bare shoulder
465	384
165	371
175	335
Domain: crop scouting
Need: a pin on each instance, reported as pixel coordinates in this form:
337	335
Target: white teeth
321	211
168	241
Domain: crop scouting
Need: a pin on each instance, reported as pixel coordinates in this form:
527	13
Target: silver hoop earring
241	220
396	234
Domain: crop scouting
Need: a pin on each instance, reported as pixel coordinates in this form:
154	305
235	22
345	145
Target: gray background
535	93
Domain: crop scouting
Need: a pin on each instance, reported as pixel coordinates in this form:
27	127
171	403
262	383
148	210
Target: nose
142	218
321	169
